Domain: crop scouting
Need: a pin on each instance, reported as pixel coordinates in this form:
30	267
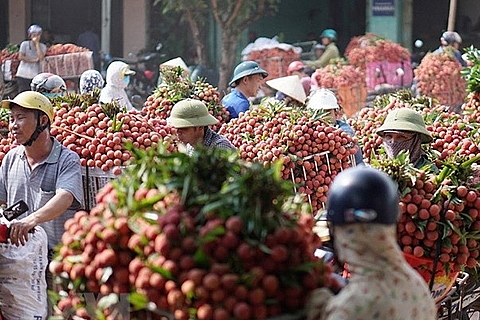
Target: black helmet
363	195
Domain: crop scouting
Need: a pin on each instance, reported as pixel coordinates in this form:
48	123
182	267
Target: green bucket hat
246	68
405	119
190	113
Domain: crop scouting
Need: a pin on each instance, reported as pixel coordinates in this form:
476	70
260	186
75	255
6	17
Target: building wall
134	26
19	20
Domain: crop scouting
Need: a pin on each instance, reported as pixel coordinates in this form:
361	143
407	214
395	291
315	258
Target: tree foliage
232	17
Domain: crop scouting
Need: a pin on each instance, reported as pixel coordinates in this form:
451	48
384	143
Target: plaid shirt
213	139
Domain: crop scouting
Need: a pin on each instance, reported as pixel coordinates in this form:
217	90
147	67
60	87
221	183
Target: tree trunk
198	40
227	61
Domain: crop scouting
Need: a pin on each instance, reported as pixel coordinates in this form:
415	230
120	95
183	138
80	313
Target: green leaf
138	301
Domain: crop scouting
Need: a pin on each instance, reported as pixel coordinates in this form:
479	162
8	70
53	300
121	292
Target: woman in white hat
117	78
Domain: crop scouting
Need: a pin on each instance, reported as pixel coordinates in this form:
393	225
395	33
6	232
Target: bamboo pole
451	15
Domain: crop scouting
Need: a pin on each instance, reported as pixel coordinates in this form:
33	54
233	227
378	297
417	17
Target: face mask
52	95
126	79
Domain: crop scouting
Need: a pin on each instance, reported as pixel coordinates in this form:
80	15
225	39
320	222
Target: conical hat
291	86
176	62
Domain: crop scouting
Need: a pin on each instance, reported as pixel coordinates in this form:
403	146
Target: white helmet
47	83
323	99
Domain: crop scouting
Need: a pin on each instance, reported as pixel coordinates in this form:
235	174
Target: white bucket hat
176	62
291	86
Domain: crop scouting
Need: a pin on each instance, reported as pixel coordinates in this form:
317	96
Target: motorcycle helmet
246	68
451	37
48	83
31	100
36	101
405	119
362	195
34	28
295	66
330	34
190	113
323	99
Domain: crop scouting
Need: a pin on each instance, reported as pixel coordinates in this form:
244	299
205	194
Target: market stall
174	237
346	81
386	65
272	56
68	61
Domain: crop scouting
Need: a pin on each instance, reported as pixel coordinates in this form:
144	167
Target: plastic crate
93	180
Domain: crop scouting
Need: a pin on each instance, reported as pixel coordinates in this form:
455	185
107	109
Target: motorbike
417	54
146	67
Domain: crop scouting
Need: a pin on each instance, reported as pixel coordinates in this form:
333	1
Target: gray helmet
47	82
34	28
363	195
246	68
451	37
405	119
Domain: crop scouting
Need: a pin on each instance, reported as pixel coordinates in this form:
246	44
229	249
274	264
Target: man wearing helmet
451	41
40	171
191	119
48	84
31	52
328	38
247	80
382	285
405	130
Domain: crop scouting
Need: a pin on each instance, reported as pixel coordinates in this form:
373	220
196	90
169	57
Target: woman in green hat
405	130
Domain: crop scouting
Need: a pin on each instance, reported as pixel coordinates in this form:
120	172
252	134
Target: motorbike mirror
159	46
137	101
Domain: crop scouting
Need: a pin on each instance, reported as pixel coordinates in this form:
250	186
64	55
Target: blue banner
383	8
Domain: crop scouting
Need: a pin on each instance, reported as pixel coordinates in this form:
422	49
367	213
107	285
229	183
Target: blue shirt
456	53
346	128
235	102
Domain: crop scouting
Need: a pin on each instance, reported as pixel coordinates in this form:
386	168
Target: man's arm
55	207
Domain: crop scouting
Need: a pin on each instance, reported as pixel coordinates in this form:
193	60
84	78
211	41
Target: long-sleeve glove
317	303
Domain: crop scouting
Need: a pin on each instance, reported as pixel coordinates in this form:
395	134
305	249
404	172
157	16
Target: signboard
384	8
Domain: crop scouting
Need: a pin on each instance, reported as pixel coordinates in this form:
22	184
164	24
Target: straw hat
291	86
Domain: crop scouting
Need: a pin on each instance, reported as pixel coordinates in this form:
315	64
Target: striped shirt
60	170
